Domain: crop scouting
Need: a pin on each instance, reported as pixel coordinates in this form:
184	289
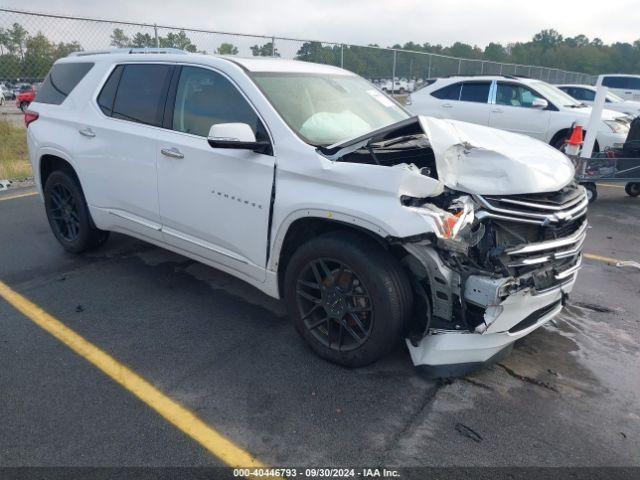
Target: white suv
587	94
398	86
519	105
625	86
310	184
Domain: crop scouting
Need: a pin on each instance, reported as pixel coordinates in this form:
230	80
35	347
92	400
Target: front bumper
443	353
610	139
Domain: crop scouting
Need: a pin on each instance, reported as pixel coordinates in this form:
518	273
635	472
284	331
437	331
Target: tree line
27	56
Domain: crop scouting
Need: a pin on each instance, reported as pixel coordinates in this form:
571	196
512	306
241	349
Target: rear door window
142	92
61	80
475	92
450	92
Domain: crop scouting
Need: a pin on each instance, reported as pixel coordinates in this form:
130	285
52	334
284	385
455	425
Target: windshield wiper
395	141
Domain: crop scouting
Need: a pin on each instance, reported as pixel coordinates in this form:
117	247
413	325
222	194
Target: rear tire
632	189
592	191
348	298
68	214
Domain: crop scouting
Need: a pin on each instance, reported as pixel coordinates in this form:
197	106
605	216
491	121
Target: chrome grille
536	213
540	234
542	252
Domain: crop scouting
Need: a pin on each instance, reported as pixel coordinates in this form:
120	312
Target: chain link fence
30	42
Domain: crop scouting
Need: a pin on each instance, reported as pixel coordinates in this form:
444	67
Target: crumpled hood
472	158
488	161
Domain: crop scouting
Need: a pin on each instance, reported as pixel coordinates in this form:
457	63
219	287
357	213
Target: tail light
30	117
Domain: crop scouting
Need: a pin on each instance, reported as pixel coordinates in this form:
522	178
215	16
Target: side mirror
539	103
238	136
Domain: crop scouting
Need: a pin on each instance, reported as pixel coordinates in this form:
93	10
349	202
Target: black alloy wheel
349	298
68	213
334	304
64	213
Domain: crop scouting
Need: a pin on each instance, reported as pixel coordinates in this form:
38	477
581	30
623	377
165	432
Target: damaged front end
496	262
496	274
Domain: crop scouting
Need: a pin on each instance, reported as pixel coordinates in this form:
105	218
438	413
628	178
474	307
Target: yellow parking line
182	418
610	185
11	197
609	260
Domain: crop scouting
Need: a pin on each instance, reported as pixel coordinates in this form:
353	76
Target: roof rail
108	51
515	77
484	75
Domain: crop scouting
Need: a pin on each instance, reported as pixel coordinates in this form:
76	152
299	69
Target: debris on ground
468	432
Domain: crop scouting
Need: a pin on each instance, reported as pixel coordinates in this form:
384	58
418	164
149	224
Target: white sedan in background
520	105
587	95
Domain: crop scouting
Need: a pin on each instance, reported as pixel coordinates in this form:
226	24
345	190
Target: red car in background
25	97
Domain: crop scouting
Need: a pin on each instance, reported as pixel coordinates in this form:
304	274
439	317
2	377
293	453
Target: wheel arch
300	229
562	133
51	162
565	133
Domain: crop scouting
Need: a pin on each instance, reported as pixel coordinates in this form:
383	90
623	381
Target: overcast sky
384	22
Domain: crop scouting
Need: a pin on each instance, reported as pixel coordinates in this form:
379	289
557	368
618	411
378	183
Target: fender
332	215
56	152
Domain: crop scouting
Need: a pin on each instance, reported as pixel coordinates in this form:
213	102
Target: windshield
555	95
326	109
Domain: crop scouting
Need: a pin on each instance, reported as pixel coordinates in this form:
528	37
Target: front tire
348	298
24	106
68	214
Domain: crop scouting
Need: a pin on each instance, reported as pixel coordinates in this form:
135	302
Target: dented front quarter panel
363	195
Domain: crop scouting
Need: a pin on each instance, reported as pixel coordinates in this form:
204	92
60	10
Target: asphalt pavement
567	396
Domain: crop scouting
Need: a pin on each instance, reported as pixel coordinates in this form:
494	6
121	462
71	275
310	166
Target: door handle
496	110
87	132
446	105
172	152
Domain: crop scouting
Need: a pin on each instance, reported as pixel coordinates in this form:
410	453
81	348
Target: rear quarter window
61	80
450	92
108	93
